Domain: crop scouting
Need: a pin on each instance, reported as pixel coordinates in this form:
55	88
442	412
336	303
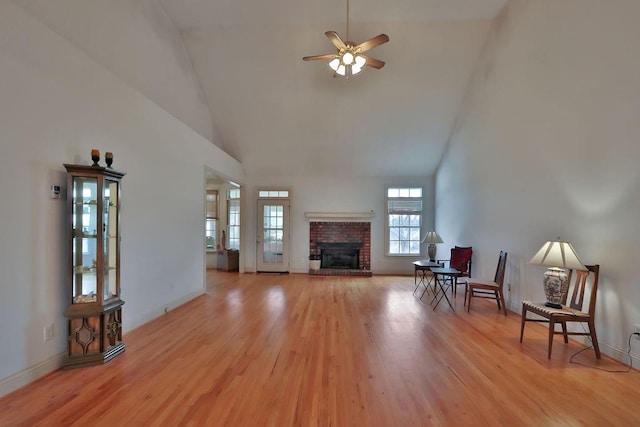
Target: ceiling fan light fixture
347	58
342	70
360	61
334	64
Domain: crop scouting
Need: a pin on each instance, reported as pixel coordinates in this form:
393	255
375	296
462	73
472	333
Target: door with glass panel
273	235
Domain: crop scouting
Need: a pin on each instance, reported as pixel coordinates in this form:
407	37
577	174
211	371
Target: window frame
212	205
233	226
414	231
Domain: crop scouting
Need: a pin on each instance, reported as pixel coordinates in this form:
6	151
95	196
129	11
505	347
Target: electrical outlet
48	332
636	330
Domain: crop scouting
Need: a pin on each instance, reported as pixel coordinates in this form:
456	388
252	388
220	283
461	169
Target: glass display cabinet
95	309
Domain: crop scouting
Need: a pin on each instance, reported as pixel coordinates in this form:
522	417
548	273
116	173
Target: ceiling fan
349	60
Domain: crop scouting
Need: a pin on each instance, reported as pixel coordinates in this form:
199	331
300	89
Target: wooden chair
569	313
460	260
478	288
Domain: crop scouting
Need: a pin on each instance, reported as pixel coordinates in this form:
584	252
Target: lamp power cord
603	369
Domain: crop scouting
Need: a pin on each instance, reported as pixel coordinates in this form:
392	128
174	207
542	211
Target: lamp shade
558	254
432	237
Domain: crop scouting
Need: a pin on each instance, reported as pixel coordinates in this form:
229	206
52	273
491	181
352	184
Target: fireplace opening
340	255
340	258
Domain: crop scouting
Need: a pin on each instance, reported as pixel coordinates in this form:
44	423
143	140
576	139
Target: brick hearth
342	232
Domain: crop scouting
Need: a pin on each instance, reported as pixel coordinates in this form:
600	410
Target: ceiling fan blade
316	57
335	39
371	43
373	62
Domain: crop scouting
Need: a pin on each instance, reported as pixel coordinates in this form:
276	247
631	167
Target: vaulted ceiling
279	115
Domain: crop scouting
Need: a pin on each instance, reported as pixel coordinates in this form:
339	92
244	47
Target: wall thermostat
55	191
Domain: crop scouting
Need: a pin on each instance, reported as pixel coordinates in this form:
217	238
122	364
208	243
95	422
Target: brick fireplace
344	247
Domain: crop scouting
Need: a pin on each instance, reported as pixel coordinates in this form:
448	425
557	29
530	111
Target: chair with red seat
460	260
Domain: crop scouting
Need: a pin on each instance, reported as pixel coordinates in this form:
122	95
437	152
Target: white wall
138	42
546	146
338	194
56	104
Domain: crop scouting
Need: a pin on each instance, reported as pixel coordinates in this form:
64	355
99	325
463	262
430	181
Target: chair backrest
563	297
580	286
461	259
500	269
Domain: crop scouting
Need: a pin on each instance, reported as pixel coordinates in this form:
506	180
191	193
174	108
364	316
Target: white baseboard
22	378
159	311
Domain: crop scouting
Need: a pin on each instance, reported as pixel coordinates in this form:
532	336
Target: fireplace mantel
340	216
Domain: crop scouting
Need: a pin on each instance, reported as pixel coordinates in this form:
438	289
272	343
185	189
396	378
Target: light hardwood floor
296	350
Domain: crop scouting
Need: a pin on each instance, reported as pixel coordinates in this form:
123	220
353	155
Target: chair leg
504	305
594	338
466	291
564	332
496	297
522	322
552	327
470	298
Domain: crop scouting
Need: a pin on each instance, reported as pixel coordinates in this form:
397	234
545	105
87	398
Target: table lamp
432	238
557	255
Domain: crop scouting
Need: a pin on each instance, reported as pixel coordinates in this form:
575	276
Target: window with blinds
404	219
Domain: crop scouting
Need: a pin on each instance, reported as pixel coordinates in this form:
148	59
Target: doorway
272	249
222	222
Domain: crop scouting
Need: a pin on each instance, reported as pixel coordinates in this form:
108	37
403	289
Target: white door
273	235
